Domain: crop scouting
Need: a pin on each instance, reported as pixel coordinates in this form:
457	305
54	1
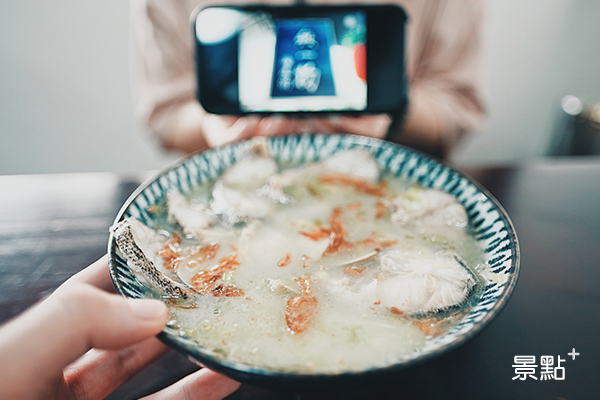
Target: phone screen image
265	62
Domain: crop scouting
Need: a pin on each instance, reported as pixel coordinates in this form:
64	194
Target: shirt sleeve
448	69
162	72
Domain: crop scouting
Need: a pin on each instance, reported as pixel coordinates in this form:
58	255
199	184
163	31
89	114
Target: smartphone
258	59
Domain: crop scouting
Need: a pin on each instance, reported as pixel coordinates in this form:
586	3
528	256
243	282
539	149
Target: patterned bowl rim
248	372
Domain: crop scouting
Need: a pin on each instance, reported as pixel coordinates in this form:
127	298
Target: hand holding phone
299	60
222	129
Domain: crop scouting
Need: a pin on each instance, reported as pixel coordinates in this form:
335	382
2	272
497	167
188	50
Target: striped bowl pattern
490	223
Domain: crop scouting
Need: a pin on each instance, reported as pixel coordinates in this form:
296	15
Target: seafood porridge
326	267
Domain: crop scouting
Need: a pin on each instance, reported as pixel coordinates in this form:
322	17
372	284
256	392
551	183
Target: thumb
74	319
94	318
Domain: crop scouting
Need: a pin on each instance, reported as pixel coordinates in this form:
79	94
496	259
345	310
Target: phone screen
277	63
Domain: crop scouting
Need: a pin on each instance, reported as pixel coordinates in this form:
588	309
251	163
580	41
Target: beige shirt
443	59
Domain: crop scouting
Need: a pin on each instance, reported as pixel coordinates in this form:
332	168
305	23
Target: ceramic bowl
490	223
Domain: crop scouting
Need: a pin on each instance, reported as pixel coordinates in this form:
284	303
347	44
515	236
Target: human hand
219	130
83	342
194	129
222	129
375	126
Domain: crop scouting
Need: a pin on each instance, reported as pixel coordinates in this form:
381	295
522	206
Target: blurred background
65	99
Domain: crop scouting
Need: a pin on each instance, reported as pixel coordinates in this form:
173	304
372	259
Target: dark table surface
51	226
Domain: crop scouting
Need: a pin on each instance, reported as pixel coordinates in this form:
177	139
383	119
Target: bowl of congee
302	261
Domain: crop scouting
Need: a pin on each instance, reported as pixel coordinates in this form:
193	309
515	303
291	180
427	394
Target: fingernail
147	309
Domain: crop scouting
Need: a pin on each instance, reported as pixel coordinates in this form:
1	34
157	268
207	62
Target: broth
328	267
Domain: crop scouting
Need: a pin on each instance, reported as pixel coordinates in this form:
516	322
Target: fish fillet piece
353	163
267	245
236	196
419	284
249	173
236	205
358	163
193	219
430	207
140	244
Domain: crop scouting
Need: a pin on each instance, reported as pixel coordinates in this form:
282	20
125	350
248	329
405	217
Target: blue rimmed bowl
490	223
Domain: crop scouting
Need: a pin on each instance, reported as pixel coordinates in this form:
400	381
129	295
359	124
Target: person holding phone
443	51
